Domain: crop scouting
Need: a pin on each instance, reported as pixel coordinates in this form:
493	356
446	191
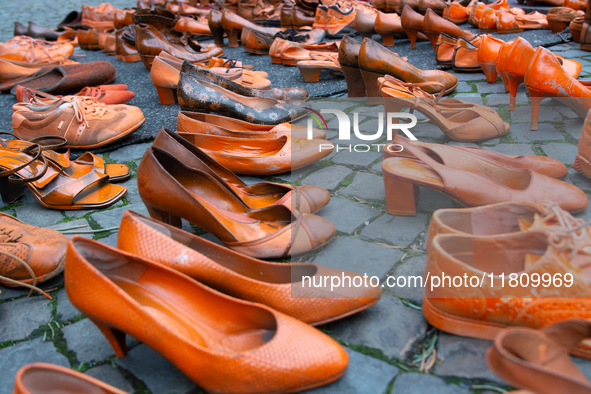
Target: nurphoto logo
392	123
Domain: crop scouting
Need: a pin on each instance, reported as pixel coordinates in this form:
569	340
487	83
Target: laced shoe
29	255
83	121
30	50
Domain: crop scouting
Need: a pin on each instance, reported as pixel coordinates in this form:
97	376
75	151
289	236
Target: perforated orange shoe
221	343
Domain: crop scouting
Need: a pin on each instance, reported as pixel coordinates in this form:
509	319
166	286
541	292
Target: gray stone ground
385	342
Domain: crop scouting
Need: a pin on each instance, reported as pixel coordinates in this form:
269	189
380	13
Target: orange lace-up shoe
30	50
550	76
543	252
272	284
221	343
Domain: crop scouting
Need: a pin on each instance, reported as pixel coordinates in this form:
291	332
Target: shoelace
33	44
33	287
86	105
570	234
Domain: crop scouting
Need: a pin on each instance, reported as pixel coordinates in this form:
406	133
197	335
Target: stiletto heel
514	81
388	40
412	36
164	217
374	96
432	36
536	99
401	196
167	96
232	37
392	107
310	74
354	79
115	337
490	71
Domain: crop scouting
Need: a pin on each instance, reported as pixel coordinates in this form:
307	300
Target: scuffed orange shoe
488	51
221	343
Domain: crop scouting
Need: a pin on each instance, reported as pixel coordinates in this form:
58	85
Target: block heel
401	196
164	217
167	96
354	79
374	95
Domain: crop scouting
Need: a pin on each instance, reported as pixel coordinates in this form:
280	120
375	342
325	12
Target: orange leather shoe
88	39
29	254
582	162
375	60
348	58
261	157
12	70
456	13
488	51
412	23
544	165
201	123
199	198
487	311
488	21
30	50
433	25
364	24
221	343
470	180
214	21
444	49
476	14
465	55
258	195
276	285
101	17
548	75
388	26
538	360
192	26
39	378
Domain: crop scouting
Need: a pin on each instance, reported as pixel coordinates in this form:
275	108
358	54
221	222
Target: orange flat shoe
488	51
469	179
456	13
221	343
201	199
38	378
261	157
276	285
258	195
465	55
461	311
544	165
488	21
548	75
202	123
538	360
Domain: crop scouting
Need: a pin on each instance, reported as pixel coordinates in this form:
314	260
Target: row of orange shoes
477	177
258	312
518	355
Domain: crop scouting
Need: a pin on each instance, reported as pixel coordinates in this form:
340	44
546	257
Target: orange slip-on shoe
198	197
488	51
258	195
261	157
465	55
388	26
469	179
221	343
456	13
277	285
544	165
484	311
538	360
412	23
549	76
37	378
202	123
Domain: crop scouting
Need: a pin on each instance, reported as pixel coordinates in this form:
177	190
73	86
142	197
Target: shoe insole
44	381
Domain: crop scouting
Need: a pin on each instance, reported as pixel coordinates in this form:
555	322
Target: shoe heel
374	95
10	192
536	99
115	337
391	106
412	36
401	196
311	74
514	81
147	60
366	35
232	37
167	96
582	166
276	60
490	71
354	79
218	36
432	36
388	40
164	217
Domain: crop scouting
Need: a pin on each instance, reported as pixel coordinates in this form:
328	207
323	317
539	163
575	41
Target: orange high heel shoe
547	77
516	63
488	51
434	25
223	344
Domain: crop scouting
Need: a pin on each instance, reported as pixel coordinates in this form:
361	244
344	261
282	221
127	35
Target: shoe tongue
531	260
524	224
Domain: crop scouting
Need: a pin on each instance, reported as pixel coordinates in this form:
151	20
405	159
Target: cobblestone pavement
385	342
